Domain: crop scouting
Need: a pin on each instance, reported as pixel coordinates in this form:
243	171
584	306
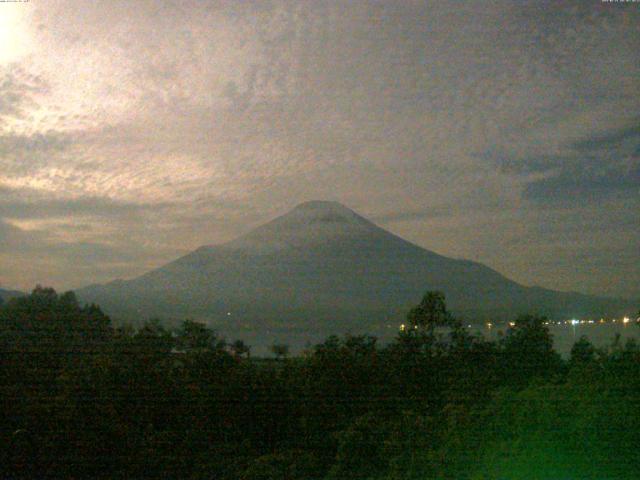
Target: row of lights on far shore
624	321
574	322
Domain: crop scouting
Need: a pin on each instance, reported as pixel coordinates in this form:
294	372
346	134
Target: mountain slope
322	268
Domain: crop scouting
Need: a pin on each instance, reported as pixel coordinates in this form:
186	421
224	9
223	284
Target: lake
564	336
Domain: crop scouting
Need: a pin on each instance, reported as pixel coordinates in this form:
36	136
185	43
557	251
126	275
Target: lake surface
564	336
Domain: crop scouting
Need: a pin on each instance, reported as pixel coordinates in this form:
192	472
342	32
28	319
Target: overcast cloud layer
503	132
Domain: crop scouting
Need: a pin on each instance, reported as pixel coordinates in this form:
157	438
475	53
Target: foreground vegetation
82	399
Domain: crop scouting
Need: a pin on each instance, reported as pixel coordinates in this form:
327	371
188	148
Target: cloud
409	216
17	88
30	255
586	185
14	239
29	204
625	141
597	166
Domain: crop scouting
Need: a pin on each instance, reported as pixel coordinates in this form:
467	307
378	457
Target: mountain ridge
6	295
322	267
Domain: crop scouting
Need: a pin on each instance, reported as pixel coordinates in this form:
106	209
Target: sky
506	132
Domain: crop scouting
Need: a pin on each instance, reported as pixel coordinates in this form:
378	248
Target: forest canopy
84	398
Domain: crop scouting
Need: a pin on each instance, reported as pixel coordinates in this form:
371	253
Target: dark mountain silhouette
322	268
6	295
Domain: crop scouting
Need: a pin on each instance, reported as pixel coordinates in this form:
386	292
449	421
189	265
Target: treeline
83	399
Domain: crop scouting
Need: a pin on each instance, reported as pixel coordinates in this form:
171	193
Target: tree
431	312
552	432
239	348
528	351
48	324
360	449
582	351
197	337
289	465
153	339
280	350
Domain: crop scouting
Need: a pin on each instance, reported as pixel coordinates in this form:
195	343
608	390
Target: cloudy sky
132	132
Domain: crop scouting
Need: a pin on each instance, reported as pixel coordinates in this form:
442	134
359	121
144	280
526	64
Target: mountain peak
322	205
313	221
323	211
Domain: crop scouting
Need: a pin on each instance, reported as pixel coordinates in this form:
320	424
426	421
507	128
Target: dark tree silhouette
79	399
528	351
240	349
280	350
431	312
582	351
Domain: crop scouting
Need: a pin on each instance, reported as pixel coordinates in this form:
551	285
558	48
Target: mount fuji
323	269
